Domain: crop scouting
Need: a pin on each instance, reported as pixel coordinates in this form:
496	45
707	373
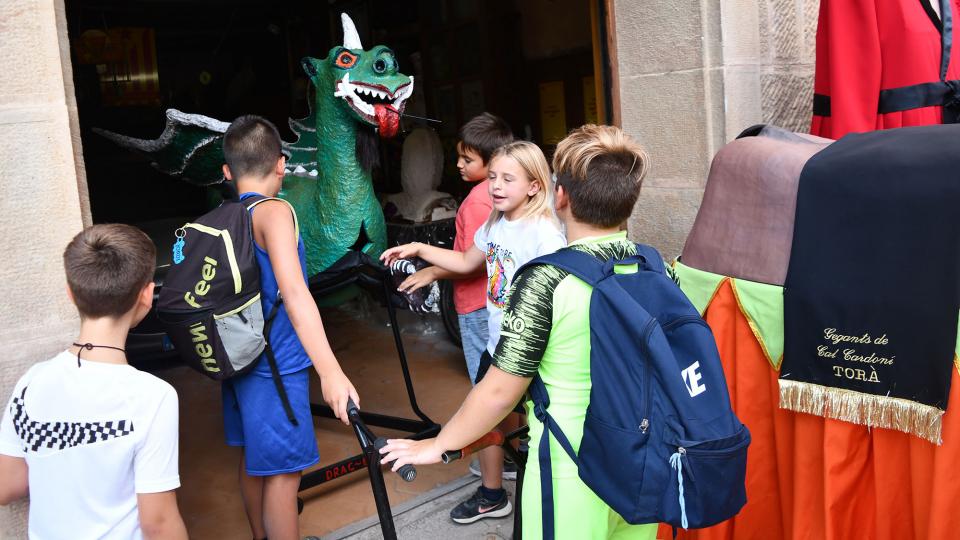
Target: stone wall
693	74
42	206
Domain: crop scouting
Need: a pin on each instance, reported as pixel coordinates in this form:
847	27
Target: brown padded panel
744	227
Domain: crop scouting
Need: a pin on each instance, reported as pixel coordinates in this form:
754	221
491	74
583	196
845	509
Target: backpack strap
272	362
591	269
583	265
652	257
252	202
538	393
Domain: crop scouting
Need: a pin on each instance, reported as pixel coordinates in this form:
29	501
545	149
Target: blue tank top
287	349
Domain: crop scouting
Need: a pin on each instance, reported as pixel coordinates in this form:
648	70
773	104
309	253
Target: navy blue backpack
660	441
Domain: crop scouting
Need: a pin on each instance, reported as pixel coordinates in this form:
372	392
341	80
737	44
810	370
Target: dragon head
368	81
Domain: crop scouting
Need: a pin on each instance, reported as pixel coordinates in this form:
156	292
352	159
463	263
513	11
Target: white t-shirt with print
508	245
93	436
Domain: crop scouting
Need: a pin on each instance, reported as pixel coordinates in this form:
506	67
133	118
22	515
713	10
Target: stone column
41	201
693	74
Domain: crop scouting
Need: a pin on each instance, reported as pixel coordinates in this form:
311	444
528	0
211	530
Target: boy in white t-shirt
92	440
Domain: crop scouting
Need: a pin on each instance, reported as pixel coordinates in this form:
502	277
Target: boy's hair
601	169
534	165
107	266
483	134
251	146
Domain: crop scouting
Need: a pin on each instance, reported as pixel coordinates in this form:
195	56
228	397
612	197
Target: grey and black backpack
210	300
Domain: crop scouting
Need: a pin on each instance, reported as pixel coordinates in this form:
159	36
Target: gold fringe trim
899	414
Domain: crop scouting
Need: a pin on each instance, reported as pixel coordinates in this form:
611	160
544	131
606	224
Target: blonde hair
600	168
534	165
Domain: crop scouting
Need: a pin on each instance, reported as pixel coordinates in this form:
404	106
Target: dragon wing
190	147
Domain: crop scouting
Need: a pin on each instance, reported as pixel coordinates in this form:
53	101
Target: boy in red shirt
479	137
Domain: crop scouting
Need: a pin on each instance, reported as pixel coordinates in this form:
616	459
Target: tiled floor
209	497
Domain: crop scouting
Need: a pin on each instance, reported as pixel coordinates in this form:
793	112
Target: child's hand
405	451
337	389
418	279
406	251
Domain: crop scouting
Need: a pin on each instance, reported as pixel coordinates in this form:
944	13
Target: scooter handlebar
493	438
407	472
352	408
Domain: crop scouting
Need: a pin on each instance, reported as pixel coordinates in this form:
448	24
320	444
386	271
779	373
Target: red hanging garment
885	64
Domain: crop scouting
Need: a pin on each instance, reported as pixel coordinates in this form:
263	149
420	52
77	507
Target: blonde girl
522	226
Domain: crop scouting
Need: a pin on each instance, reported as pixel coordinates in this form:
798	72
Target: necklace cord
91	346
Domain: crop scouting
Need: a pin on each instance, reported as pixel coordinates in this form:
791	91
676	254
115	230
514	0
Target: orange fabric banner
812	478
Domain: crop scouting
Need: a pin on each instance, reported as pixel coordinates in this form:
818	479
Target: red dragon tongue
388	120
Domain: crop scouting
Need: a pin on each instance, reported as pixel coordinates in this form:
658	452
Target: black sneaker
477	507
509	469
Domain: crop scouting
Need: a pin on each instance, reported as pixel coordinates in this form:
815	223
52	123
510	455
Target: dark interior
133	59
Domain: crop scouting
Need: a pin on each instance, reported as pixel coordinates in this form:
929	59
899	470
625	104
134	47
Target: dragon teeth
371	92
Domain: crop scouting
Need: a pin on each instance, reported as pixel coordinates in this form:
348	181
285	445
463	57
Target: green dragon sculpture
355	89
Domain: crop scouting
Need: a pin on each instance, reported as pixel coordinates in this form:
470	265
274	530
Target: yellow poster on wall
126	62
553	115
589	101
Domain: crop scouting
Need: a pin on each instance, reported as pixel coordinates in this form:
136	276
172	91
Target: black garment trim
934	17
905	98
946	36
821	105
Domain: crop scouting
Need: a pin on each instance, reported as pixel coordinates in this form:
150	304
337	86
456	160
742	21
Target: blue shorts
253	418
474	336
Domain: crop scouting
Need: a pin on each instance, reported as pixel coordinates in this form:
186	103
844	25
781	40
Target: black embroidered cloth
872	291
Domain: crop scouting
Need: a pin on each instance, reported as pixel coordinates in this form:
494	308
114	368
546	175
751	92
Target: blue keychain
178	246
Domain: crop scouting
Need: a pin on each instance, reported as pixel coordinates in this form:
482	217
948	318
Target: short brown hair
601	169
251	146
483	134
107	266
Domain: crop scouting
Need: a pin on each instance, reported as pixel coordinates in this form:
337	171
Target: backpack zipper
228	244
647	330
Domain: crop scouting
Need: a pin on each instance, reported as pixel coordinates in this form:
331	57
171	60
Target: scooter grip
407	472
352	407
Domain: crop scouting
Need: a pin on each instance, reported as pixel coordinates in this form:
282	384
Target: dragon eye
346	60
380	65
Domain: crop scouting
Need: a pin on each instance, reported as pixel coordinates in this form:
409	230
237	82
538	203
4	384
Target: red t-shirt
471	294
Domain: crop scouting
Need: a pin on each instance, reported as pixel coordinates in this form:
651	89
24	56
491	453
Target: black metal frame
368	444
357	268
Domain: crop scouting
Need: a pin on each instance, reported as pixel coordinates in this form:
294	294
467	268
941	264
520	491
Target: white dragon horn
350	38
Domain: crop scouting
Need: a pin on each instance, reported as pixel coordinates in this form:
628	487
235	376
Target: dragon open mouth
375	103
